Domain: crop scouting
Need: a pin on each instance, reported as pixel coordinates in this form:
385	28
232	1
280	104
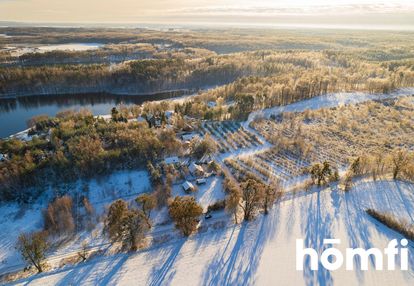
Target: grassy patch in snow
402	227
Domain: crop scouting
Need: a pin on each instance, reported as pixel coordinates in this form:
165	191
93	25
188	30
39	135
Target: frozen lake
70	47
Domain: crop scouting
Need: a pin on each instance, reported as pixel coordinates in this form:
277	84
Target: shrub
401	227
58	217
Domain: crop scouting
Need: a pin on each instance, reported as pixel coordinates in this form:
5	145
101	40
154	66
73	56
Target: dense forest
78	145
138	61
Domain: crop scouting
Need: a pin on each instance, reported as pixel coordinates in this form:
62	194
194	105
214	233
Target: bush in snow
402	227
58	217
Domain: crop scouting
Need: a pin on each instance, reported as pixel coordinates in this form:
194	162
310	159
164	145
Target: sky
210	12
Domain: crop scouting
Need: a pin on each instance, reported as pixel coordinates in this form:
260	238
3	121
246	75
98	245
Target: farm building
188	187
188	136
196	170
206	159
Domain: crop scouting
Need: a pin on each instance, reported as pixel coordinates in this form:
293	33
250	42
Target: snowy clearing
262	252
328	100
101	192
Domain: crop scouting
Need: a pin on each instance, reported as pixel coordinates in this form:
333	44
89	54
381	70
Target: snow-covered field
326	101
16	219
21	50
70	47
260	253
263	252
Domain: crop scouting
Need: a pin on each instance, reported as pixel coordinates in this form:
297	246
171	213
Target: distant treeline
310	73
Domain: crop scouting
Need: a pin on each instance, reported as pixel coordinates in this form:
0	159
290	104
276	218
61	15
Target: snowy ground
206	194
262	252
16	219
328	100
21	50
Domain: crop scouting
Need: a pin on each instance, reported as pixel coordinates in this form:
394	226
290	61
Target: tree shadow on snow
165	272
237	262
316	226
393	197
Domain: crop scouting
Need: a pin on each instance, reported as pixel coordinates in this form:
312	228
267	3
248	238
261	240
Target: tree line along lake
16	111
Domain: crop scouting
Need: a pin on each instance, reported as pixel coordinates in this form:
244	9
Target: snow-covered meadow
16	219
263	252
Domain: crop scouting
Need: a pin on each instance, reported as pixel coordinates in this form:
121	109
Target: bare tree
134	228
252	197
272	193
58	217
83	253
232	202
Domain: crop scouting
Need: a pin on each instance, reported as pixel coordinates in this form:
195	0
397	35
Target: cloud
208	11
345	9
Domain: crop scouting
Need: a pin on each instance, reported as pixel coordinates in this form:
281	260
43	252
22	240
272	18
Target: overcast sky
246	12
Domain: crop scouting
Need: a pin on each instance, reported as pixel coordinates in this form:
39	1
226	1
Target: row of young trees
398	164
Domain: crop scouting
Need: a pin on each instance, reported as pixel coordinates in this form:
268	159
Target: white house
172	160
196	170
188	136
206	159
188	187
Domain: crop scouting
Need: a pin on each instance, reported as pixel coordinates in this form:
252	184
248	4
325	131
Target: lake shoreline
161	92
